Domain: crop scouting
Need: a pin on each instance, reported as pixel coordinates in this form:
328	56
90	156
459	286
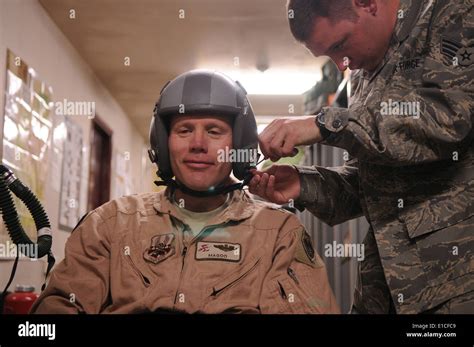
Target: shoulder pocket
293	299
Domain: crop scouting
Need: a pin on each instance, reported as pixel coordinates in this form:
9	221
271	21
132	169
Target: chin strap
213	191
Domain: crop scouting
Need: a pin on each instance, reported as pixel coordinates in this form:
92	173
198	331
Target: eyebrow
337	43
209	125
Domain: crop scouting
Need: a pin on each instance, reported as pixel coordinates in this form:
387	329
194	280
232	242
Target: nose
198	141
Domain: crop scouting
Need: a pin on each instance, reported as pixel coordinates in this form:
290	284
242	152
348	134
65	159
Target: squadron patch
305	252
455	53
308	246
162	247
224	251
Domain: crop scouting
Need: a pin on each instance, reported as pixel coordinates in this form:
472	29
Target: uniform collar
407	16
240	206
411	11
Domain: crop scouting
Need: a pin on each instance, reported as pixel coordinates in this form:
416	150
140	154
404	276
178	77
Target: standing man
408	135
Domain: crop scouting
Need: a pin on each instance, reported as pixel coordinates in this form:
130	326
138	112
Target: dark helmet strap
216	191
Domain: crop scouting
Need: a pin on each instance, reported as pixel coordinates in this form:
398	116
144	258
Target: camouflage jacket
411	171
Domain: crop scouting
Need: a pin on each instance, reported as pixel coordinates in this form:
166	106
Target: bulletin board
27	132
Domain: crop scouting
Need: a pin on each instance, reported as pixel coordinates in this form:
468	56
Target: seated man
201	246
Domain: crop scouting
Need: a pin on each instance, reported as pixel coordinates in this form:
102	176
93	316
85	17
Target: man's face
359	44
193	143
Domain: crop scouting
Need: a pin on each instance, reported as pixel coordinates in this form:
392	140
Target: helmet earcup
245	136
159	145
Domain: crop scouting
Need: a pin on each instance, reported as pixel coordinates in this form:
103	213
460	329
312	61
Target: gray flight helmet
203	92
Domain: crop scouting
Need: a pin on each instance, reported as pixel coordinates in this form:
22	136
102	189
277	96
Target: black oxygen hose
8	182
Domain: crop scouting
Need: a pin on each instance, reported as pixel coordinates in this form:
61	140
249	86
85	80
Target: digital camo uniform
136	255
412	176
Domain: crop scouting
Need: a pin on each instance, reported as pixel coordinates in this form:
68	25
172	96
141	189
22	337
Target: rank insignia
457	54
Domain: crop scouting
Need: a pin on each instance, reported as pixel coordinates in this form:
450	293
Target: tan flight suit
135	255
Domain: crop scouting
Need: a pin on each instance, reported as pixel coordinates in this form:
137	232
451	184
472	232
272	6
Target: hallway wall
27	30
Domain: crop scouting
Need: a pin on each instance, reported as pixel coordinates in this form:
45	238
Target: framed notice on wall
27	132
70	189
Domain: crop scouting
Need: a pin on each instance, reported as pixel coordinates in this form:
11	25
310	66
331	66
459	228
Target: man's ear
369	6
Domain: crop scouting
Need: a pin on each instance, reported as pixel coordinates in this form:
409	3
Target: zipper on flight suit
183	254
282	291
144	279
185	251
292	274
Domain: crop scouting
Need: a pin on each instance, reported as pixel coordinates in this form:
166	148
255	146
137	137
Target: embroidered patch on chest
161	247
457	54
224	251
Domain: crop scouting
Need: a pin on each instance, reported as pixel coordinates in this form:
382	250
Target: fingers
266	137
253	184
270	170
258	185
276	141
262	186
276	144
288	149
256	172
270	189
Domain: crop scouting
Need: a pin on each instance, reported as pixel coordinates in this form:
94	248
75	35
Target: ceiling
162	45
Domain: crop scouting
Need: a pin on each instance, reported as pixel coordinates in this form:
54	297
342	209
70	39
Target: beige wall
27	30
277	105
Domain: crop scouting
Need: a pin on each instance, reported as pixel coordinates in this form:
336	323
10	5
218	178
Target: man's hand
278	184
281	136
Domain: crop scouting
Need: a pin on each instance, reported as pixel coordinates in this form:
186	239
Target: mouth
198	164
